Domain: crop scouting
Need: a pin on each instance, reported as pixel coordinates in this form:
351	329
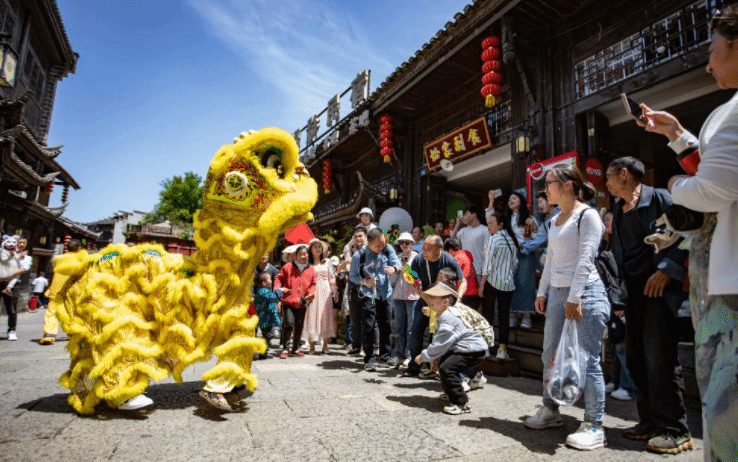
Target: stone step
501	367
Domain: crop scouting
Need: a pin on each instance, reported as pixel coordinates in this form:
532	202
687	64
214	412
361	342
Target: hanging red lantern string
491	67
49	187
65	194
327	164
385	137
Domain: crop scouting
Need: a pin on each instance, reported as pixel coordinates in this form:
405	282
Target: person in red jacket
465	260
297	281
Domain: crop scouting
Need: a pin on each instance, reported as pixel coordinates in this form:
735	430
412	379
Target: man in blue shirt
370	269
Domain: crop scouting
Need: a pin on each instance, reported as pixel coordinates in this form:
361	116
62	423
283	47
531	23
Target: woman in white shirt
571	288
498	271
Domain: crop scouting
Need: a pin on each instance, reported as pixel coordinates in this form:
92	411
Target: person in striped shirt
498	277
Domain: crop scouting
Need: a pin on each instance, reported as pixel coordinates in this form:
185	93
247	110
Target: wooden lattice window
660	42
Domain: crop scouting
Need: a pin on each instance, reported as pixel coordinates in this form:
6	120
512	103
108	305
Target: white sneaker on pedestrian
622	395
465	385
587	437
137	402
502	353
453	409
513	320
478	381
527	322
405	363
543	418
610	387
11	335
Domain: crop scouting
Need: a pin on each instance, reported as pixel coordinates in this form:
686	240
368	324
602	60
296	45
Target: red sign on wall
594	172
459	144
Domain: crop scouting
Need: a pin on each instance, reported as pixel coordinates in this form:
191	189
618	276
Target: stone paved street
316	408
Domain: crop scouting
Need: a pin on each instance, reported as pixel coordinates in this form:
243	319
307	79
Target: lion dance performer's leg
228	322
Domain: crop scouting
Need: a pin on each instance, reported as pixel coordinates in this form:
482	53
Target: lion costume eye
236	183
273	159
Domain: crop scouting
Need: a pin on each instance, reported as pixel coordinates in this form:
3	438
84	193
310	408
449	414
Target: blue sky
161	85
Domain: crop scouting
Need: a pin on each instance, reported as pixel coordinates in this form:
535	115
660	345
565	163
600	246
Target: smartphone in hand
633	109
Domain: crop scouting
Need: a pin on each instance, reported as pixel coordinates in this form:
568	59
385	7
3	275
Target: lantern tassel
386	159
489	101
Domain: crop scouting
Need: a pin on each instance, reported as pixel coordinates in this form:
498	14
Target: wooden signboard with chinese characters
463	142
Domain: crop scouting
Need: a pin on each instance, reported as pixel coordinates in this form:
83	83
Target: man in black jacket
655	292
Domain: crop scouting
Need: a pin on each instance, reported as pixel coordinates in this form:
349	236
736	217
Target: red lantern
491	78
65	194
489	42
327	164
385	137
49	187
490	66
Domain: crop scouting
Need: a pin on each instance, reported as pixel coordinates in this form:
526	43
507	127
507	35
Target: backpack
473	320
617	290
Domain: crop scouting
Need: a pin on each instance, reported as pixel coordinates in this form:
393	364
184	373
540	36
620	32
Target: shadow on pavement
549	440
170	396
345	364
427	403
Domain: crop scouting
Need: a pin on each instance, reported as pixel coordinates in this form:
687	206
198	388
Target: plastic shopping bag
564	376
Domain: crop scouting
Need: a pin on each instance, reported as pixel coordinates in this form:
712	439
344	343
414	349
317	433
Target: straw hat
323	243
441	289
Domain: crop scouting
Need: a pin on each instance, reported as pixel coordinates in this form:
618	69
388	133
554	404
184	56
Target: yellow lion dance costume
135	314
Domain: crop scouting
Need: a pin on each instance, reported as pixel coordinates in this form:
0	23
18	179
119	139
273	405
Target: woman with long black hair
519	222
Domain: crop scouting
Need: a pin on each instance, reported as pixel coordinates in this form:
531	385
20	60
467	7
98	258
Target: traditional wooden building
173	238
35	54
564	66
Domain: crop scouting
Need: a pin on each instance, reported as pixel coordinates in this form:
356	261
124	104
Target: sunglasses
405	243
717	19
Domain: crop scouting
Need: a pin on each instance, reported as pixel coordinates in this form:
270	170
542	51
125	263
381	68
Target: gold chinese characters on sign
459	144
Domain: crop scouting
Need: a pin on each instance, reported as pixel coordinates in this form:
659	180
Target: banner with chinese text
459	144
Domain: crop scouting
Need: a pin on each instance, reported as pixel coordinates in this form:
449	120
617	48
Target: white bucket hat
405	236
365	210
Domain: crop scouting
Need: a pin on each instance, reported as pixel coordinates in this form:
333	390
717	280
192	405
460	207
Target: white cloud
306	50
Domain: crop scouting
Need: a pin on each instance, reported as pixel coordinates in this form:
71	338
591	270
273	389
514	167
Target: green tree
179	200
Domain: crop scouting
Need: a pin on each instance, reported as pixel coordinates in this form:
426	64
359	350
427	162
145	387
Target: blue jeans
415	341
595	313
404	322
626	381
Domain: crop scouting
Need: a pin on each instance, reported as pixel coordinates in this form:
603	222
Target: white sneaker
527	323
404	364
622	395
502	353
610	387
478	381
137	402
588	437
11	335
513	320
543	418
453	409
465	385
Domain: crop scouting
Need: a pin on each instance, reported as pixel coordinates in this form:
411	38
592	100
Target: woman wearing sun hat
403	302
